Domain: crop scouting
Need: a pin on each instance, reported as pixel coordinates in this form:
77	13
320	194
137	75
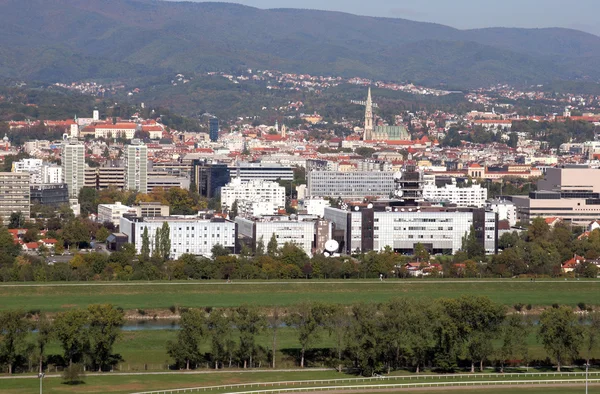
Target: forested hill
66	40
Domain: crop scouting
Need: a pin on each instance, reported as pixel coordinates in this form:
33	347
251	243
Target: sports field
162	295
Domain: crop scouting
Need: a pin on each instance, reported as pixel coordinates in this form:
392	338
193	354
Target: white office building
255	191
472	196
307	232
136	167
438	230
73	166
113	212
350	185
247	208
189	234
40	172
315	206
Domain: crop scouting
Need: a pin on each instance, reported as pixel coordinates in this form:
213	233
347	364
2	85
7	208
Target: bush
73	374
173	309
528	307
518	307
582	306
141	312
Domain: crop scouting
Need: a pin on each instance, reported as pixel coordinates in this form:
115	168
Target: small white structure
473	196
254	191
505	209
315	206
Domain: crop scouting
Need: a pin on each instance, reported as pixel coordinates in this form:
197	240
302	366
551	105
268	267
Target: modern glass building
214	129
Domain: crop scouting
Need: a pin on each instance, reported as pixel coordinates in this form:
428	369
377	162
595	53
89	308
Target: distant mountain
65	40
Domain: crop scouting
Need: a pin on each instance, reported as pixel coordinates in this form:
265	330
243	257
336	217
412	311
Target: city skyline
461	14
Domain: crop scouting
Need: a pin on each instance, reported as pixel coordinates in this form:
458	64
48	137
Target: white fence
454	380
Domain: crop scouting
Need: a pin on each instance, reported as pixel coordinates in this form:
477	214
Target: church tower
368	134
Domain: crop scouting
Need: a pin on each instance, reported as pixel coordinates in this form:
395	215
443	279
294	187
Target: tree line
86	338
444	335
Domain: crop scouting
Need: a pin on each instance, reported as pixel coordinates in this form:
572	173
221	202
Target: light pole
587	366
41	376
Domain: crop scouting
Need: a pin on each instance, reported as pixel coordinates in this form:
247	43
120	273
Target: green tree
233	211
592	335
421	254
165	241
306	318
272	246
71	330
45	331
473	246
102	234
560	334
156	251
219	250
219	328
105	322
13	333
88	201
260	247
76	232
16	220
365	339
185	350
336	322
145	249
250	323
514	339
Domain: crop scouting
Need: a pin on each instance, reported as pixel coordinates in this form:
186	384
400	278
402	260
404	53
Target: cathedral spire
368	134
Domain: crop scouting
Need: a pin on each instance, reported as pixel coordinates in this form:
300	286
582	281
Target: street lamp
41	376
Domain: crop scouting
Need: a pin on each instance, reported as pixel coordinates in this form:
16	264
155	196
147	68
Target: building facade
101	178
14	195
113	212
366	228
189	235
350	185
309	233
208	177
261	172
472	196
73	167
255	191
54	194
136	167
213	125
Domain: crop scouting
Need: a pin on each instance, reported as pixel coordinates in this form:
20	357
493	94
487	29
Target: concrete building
505	209
14	195
136	167
162	181
569	193
262	172
113	212
255	191
101	178
214	129
309	233
350	185
472	196
54	194
151	209
119	130
314	206
189	235
248	208
73	166
39	171
439	230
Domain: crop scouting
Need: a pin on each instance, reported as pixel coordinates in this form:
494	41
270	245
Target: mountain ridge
124	39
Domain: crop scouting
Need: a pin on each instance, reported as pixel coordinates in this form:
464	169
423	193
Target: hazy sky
576	14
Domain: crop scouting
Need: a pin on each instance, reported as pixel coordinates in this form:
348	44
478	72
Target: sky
462	14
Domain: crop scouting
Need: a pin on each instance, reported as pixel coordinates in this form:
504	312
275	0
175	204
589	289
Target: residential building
350	185
14	195
377	226
156	181
208	177
39	171
255	191
54	194
136	167
248	208
188	234
113	212
73	166
315	206
309	233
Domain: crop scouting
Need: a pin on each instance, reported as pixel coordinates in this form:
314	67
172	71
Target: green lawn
218	294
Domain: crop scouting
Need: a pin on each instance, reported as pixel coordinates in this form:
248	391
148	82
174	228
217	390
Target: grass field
162	295
128	384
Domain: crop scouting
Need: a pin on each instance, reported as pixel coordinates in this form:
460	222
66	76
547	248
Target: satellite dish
409	209
332	246
397	175
398	193
356	208
370	206
326	254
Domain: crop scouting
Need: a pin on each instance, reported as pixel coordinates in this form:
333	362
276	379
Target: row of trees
399	334
86	336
